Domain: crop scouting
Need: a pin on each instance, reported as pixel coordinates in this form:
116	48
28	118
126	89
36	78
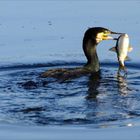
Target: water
103	100
42	36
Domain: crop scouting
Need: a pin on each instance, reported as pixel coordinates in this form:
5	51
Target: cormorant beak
107	37
117	34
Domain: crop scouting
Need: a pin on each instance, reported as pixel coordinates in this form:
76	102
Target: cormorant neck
89	47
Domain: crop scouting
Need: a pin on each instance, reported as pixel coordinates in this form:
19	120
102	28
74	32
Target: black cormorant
91	38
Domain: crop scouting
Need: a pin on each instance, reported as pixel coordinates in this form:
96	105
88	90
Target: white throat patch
99	37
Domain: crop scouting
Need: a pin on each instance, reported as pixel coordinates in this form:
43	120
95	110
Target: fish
122	48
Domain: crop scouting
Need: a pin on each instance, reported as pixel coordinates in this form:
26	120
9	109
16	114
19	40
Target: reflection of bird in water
93	85
92	37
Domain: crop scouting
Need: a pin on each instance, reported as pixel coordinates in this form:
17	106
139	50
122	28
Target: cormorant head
103	34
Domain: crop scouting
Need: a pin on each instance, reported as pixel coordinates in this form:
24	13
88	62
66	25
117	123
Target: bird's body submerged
90	40
63	74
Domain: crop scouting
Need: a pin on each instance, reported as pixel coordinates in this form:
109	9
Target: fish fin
127	58
130	48
113	49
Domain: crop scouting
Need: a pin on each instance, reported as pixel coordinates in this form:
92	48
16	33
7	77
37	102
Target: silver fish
122	48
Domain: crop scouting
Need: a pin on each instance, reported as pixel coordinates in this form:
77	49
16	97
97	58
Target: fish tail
122	66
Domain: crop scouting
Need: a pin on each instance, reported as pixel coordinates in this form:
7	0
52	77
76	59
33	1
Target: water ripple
99	100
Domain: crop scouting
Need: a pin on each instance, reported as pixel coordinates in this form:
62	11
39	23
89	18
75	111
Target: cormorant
92	37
